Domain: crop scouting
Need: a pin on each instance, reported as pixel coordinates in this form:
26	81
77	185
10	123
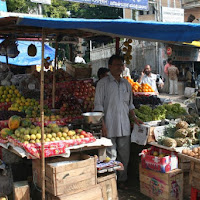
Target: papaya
5	132
14	122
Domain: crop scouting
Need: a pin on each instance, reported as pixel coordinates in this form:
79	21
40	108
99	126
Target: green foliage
20	6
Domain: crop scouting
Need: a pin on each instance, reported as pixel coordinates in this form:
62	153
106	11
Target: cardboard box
67	175
92	193
21	190
195	175
144	133
108	186
159	163
161	186
78	73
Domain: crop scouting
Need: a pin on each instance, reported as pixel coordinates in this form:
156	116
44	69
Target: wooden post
42	118
54	77
117	45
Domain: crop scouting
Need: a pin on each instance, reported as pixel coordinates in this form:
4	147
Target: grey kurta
115	100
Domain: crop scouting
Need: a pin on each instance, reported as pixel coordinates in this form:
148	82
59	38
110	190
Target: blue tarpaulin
154	31
23	59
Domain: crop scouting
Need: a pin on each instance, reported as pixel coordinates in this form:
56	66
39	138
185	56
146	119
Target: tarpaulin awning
193	43
86	28
23	59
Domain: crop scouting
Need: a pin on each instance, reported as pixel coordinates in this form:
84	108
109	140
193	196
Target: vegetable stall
49	30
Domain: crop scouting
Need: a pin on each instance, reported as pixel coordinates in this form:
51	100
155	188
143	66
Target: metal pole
54	77
42	118
39	8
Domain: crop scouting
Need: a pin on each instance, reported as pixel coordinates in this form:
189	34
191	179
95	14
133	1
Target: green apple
38	136
33	137
27	137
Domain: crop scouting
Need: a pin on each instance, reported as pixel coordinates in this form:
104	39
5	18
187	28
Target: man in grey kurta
114	98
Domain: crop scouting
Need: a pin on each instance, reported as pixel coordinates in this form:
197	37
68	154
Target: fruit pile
169	111
195	152
127	50
24	131
136	87
9	93
152	100
180	135
53	133
29	106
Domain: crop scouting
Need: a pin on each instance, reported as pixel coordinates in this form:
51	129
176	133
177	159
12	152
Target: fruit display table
22	151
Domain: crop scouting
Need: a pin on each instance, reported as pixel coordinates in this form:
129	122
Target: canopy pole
42	118
54	77
117	45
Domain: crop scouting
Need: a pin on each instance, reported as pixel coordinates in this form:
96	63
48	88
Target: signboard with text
131	4
172	14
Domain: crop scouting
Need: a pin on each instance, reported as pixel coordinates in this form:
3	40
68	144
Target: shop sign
172	14
130	4
169	51
181	53
48	2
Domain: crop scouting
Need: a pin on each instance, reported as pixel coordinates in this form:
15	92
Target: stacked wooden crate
162	186
195	175
108	186
69	178
184	165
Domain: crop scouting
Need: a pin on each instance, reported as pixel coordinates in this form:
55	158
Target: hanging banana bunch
127	49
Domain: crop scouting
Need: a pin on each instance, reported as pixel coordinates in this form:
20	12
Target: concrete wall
99	57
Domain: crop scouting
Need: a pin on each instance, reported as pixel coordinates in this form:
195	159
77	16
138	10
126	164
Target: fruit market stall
54	29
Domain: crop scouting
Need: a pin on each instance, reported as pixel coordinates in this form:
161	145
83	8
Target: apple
54	135
32	141
33	137
49	136
64	134
53	139
38	136
57	138
59	134
37	141
47	140
65	129
27	137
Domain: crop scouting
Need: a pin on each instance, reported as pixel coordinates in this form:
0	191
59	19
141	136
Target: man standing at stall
150	78
114	98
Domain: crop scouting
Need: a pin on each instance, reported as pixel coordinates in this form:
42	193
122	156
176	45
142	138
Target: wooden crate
162	186
21	190
92	193
108	186
186	186
195	175
79	72
62	177
184	164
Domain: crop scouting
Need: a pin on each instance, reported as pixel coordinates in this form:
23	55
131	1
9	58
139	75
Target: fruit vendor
114	98
150	78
